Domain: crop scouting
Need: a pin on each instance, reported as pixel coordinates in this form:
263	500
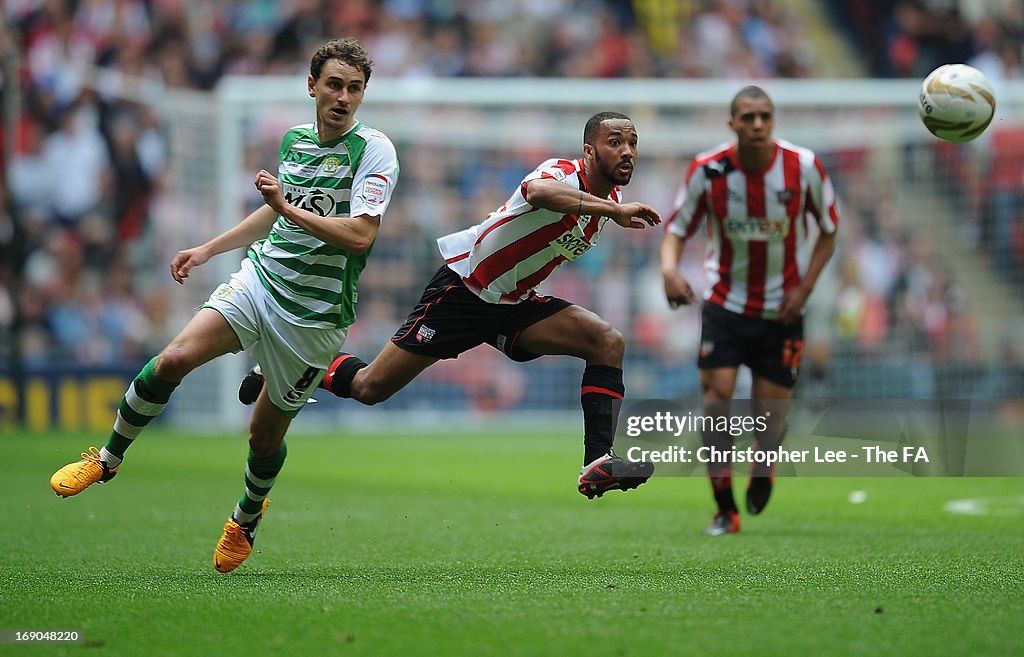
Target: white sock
108	458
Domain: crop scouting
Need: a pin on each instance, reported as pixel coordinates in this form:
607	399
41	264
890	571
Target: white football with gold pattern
956	103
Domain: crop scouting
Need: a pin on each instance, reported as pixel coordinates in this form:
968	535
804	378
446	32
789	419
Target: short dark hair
347	50
752	92
590	131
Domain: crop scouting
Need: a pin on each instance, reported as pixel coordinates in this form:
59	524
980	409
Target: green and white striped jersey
313	283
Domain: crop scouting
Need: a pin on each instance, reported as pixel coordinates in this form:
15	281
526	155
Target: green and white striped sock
145	398
260	474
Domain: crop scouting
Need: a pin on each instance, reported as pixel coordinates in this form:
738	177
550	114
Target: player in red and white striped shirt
771	217
486	293
519	245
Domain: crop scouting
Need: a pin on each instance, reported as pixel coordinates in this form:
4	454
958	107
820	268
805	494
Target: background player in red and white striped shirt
485	292
771	217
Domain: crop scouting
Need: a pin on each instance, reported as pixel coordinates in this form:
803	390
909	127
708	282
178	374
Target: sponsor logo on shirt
571	244
297	169
757	228
375	190
313	199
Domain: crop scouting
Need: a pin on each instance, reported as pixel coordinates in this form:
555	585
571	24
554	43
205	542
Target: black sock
721	487
340	374
720	474
601	396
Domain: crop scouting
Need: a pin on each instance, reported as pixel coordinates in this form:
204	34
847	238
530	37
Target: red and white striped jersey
759	242
507	256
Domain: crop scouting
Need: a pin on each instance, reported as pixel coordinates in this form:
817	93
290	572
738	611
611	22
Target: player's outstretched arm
255	226
551	194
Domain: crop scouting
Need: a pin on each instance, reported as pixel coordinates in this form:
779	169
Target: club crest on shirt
331	164
785	196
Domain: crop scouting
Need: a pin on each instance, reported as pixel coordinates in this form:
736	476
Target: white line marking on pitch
1007	505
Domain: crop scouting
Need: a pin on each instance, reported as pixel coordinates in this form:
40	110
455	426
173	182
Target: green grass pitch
480	545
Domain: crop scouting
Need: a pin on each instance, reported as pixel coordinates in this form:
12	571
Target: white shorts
293	358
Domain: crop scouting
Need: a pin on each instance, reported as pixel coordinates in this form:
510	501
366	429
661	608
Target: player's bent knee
616	341
606	344
173	364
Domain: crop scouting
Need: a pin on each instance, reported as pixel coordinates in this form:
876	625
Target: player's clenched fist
269	186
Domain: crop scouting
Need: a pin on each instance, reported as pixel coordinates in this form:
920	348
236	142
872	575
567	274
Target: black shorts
449	320
770	349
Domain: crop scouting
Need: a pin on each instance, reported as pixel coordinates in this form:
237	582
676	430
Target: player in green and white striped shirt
294	296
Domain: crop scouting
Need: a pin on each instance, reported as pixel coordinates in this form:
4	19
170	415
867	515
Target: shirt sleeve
822	201
689	209
375	178
553	169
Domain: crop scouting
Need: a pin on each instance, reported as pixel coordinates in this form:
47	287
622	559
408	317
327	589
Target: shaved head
752	92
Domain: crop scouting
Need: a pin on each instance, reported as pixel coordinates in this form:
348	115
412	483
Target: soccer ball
957	102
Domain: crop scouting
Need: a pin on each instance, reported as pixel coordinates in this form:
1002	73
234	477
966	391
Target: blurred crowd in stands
910	38
85	165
